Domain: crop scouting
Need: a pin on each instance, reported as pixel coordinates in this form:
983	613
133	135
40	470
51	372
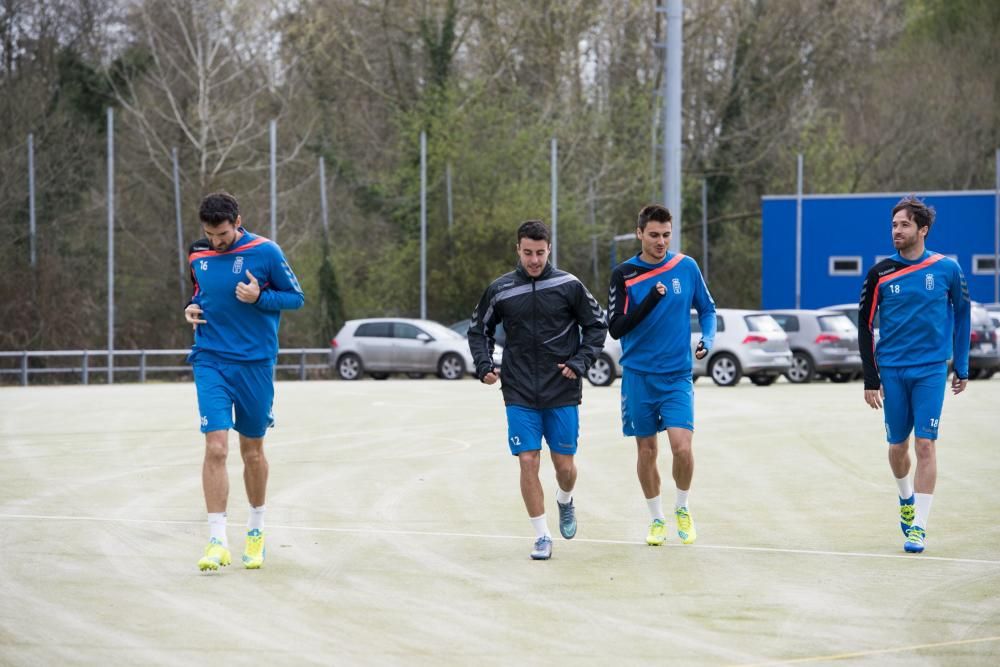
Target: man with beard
242	282
922	302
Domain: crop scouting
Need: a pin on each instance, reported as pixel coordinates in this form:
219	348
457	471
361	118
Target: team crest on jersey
676	284
929	281
238	265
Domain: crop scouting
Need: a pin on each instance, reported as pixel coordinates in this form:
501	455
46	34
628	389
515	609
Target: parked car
607	366
994	310
380	346
823	342
747	342
462	328
984	357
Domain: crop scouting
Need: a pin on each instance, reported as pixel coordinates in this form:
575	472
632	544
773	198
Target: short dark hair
919	212
219	207
654	212
534	230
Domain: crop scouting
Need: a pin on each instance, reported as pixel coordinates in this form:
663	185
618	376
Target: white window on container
845	265
983	264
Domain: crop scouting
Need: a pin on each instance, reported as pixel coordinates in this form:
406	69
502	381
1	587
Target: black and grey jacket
549	320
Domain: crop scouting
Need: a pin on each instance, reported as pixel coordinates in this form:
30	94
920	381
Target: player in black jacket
555	329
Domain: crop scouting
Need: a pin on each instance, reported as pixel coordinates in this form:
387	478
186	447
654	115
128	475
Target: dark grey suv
823	342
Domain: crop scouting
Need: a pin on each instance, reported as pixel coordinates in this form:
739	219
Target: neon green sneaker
685	526
907	512
253	554
657	533
216	556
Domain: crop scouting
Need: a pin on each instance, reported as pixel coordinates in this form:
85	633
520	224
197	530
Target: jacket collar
546	272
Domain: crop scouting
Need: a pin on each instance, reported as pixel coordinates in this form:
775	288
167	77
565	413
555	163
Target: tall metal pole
111	245
180	229
704	228
447	185
593	226
31	196
423	225
672	125
274	180
555	199
324	211
798	231
996	234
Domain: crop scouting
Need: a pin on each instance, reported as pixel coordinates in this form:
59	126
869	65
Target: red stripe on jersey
655	272
211	253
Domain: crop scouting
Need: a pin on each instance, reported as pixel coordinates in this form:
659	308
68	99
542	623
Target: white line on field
431	533
861	654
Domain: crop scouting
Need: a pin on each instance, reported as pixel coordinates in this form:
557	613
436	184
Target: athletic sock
217	527
922	511
656	508
905	485
682	499
256	520
564	496
541	526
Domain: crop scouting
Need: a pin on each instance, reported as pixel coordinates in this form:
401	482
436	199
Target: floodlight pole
274	180
423	225
111	245
673	61
555	202
180	229
31	195
324	211
798	231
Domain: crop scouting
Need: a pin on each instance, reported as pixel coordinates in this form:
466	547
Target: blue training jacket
656	330
236	331
924	315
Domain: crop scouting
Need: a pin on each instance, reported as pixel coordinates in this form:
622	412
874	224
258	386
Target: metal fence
84	364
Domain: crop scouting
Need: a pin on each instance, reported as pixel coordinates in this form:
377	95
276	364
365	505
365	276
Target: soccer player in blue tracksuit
649	307
922	302
242	282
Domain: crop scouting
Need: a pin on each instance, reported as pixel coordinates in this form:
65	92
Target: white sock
564	496
656	508
922	511
682	499
905	485
541	526
256	520
217	527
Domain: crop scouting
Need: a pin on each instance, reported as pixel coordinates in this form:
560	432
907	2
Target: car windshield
762	323
836	324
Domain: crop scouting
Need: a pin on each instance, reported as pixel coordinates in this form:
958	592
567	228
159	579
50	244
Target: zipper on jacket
534	340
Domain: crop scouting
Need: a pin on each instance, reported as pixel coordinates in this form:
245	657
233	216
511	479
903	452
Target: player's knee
529	460
924	448
216	450
252	456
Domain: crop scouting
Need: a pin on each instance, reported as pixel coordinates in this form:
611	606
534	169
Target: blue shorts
913	399
526	426
654	402
246	389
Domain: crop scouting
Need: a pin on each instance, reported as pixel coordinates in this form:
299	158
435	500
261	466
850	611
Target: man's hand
248	292
873	397
567	372
491	377
958	384
700	351
193	314
661	288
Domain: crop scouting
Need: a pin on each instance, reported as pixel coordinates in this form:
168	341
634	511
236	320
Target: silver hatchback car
823	342
748	342
380	346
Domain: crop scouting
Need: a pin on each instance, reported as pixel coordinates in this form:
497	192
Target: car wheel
349	367
725	370
975	373
379	376
416	376
601	373
988	373
763	380
802	368
841	377
451	367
